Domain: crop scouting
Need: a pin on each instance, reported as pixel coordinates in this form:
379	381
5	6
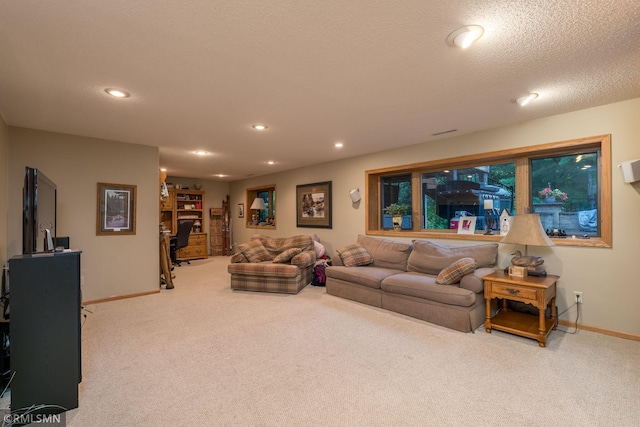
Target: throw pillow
354	255
286	256
319	247
454	272
255	251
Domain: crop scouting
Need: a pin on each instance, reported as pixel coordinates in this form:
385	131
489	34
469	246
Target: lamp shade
526	229
258	203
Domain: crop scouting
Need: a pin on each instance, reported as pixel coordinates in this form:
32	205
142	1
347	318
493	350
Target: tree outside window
564	191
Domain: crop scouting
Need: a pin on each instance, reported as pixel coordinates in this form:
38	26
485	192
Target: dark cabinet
45	304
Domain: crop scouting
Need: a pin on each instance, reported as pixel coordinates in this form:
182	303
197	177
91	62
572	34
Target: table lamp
488	216
258	204
526	230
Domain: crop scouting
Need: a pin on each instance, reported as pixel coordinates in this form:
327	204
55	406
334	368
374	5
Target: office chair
180	240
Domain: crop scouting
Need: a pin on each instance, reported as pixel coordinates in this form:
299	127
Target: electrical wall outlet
577	295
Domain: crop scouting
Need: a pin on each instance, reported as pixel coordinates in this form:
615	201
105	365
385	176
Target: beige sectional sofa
438	283
273	264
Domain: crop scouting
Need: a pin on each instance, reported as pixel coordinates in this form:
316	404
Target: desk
538	291
165	260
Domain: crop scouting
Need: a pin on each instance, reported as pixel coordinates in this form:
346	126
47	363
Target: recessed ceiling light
163	169
338	145
465	36
524	100
220	175
259	127
271	162
118	93
201	152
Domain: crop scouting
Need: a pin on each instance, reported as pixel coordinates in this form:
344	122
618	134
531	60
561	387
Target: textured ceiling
371	74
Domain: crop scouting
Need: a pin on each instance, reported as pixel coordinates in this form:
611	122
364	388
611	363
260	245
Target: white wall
111	265
607	277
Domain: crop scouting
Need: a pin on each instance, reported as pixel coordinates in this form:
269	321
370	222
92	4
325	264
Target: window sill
268	227
481	237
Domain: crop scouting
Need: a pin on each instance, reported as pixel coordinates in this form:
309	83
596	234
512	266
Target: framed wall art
116	209
240	210
467	225
313	205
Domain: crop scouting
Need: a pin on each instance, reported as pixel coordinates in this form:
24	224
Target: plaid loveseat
273	264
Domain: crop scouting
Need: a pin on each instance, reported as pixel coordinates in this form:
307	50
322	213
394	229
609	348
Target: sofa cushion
474	281
354	255
286	255
455	271
366	276
238	257
424	286
430	258
255	251
263	270
387	253
276	245
304	259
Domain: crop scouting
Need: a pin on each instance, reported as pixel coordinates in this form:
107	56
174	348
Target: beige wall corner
111	265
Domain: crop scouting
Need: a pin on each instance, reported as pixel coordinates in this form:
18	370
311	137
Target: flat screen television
39	212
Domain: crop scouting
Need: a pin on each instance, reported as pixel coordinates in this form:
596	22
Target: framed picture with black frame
313	205
116	209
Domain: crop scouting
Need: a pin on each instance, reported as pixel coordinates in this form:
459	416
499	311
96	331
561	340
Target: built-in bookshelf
186	205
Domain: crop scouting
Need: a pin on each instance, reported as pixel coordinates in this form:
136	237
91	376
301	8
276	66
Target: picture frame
517	271
314	205
116	213
240	210
467	225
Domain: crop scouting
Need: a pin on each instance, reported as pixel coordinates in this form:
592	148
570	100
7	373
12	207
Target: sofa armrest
473	281
304	259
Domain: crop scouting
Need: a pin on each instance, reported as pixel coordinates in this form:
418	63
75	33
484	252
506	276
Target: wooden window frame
521	157
252	193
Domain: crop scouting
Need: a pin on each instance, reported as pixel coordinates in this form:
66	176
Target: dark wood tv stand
45	304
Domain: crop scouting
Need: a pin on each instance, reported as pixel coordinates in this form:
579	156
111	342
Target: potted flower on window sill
396	211
549	195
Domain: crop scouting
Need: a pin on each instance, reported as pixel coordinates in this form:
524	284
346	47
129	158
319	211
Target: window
564	191
262	217
480	191
396	190
577	173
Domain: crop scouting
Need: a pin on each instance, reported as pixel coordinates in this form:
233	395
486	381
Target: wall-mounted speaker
355	195
630	170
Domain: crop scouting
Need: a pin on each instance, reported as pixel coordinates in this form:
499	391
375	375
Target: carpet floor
204	355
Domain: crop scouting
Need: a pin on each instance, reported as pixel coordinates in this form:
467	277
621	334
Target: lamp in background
258	204
526	230
488	216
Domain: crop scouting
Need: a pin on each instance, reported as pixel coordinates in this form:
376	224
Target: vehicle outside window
480	191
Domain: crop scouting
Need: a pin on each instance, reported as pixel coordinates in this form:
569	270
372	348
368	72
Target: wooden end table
538	291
